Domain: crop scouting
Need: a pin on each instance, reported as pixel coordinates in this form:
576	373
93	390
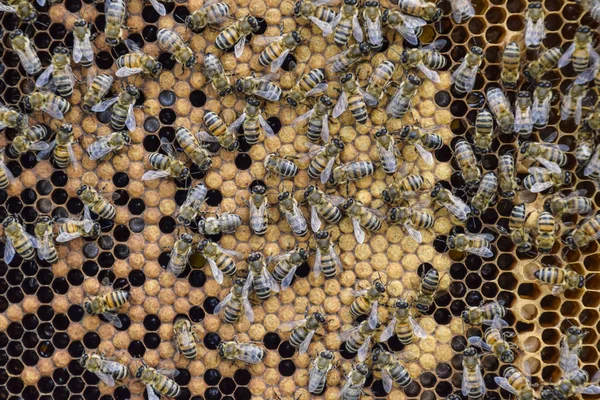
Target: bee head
581	282
524	247
202	245
545	84
291	101
45	219
185	172
402	304
15	33
27	102
351	2
139	372
415	80
303	254
322	235
405	132
297	37
393	212
186	237
375	354
536	4
189	22
8	221
326	101
253	22
381	132
88	307
308	191
450	242
96	228
574	330
386	196
327	354
111	41
362	369
82	189
422	308
253	102
61	50
436	189
380	287
66	127
184	221
297	7
157	68
132	90
80	22
477	50
221	349
254	257
437	15
126	138
201	224
470	352
346	78
474	211
191	61
259	189
283	196
548	205
30	17
581	29
338	143
404	56
83	360
507	357
239	282
525	147
319	317
363	47
347	204
234	146
239	85
465	316
568	178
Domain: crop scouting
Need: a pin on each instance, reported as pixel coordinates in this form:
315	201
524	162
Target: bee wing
205	137
248	312
160	9
417	330
217	274
151	393
486	236
458	71
317	263
32	240
267	95
238	49
373	315
587	75
103	143
248	283
113	319
347	333
222	303
124	71
151	175
327	171
291	325
373	29
566	57
257	213
277	258
578	110
107	379
364	349
72	155
388	382
523	121
568	357
358	293
539	112
266	40
66	237
169	373
52	110
558	290
265	126
540	187
321	87
408	33
305	343
315	377
458	207
315	222
503	383
45	153
102	106
389	330
270	280
7	9
432	75
356	29
133	46
248	356
314	149
480	251
238	122
358	232
45	77
370	100
590	389
278	62
45	243
77	50
9	251
550	165
38	146
325	129
335	21
87	218
336	259
340	106
415	234
478	342
425	155
130	121
231	253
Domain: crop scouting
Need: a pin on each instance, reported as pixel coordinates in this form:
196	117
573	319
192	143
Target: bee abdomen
298	336
270	53
342	32
400	375
228	38
130	60
357	107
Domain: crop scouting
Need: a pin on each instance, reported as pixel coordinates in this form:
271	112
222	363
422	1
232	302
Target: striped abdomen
343	31
298	336
400	375
228	37
270	53
233	310
430	282
357	107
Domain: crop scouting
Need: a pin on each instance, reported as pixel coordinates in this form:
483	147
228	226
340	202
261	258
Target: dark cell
427	379
275	124
151	124
136	225
60	340
211	340
151	143
413	389
167	98
197	173
473	280
30	393
106	260
14	349
167	116
137	278
150	15
212	393
60	286
243	161
43	187
106	225
167	61
30	358
45	276
167	224
442	316
289	63
29	214
75	206
91	340
212	377
90	250
76	385
197	278
14	205
136	349
45	330
242	377
45	384
458	344
15	330
457	307
443	370
271	340
137	206
210	303
227	386
3	340
75	313
394	343
197	98
122	393
60	392
28	196
287	368
121	251
14	277
151	322
104	60
184	376
60	322
439	244
120	197
163	259
90	268
377	389
91	393
151	340
15	385
427	395
45	349
15	295
242	393
286	350
30	321
213	197
473	298
167	133
149	33
473	262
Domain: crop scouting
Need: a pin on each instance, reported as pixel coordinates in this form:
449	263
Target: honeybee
495	341
573	382
61	148
251	119
484	126
403	324
159	380
224	223
366	302
571	106
371	14
105	145
501	109
286	265
468	163
303	330
235	303
511	59
574	203
358	339
516	224
106	304
523	118
485	193
211	13
464	76
399	105
215	73
191	146
220	260
180	254
97	89
258	204
535	29
71	229
352	97
137	62
406	25
428	11
323	158
53	105
282	166
462	10
106	370
344	60
406	188
326	259
386	146
218	132
427	292
259	277
517	383
561	279
585	145
549	155
115	11
44	235
346	23
166	165
540	110
391	369
581	52
277	49
245	352
18	240
545	62
29	140
355	382
94	202
235	35
323	205
309	85
592	169
261	87
288	206
472	384
570	347
185	337
23	9
452	203
362	217
318	120
378	82
83	53
484	314
478	244
346	173
12	118
190	208
411	219
425	59
171	42
122	108
317	373
546	232
424	140
23	46
540	179
6	176
317	13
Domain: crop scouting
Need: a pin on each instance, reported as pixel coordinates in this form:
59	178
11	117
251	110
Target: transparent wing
480	251
336	259
239	47
425	155
540	187
335	21
238	122
160	9
550	165
9	251
151	175
432	75
566	57
341	105
107	379
248	312
248	356
558	290
458	207
464	384
370	100
356	29
130	121
591	389
291	325
7	9
223	303
72	157
587	75
358	232
278	62
325	129
267	277
44	249
151	394
266	40
389	330
113	319
408	33
32	240
305	343
45	77
132	46
52	110
42	155
503	383
265	126
217	273
317	263
124	71
321	87
287	281
324	26
9	175
301	118
327	171
373	315
358	293
486	236
205	137
387	380
315	222
417	330
67	237
458	71
316	376
105	104
364	349
478	342
38	146
267	95
345	335
230	253
77	50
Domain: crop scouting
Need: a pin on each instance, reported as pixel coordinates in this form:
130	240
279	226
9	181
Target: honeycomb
44	330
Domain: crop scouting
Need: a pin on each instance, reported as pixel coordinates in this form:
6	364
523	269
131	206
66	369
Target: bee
12	118
106	304
185	336
378	82
219	132
97	89
303	330
501	109
23	9
472	380
572	383
516	224
158	380
259	277
317	13
245	352
137	62
570	347
190	208
323	205
571	106
326	259
83	53
235	35
310	84
346	173
591	7
352	97
346	23
323	158
251	119
391	369
317	373
454	204
220	260
286	266
261	87
215	73
94	202
485	194
399	105
547	230
408	26
544	63
6	176
171	42
288	206
540	110
44	235
592	120
318	120
386	146
468	163
549	155
53	105
371	14
581	52
358	339
429	284
18	240
106	370
471	243
344	60
355	382
191	146
540	179
410	219
29	140
71	229
585	145
495	341
484	314
511	60
105	145
362	217
224	223
523	116
366	302
462	10
62	147
592	169
535	29
235	303
116	12
210	14
180	254
464	76
424	140
258	204
281	166
403	324
23	46
277	49
122	109
426	59
166	165
574	203
484	126
561	279
406	188
428	11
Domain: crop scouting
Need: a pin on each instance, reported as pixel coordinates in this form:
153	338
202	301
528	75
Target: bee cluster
374	202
